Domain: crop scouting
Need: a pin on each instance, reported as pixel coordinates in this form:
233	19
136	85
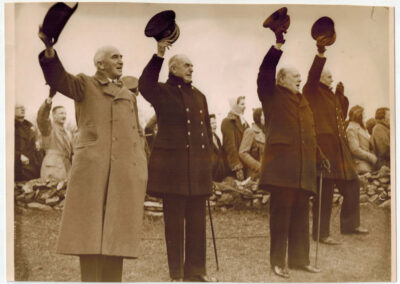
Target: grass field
243	250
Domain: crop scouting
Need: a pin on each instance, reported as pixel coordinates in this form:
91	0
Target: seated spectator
381	137
232	128
57	141
359	141
252	147
218	156
28	156
370	124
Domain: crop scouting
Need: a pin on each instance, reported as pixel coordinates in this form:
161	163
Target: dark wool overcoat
330	112
180	161
232	134
290	150
104	203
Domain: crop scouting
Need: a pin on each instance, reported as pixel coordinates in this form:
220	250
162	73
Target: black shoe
200	278
279	271
307	268
330	241
358	231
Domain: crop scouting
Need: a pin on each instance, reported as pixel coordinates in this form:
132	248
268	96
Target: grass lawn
243	250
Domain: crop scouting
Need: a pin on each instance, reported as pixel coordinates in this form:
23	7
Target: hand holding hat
278	22
323	31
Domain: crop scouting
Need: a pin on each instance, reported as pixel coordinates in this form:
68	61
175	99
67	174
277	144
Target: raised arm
148	81
267	72
314	75
43	118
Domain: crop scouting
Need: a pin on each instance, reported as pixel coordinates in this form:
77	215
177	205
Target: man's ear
100	65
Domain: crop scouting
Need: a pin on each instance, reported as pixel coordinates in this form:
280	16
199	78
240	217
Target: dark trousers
350	211
289	226
185	216
101	268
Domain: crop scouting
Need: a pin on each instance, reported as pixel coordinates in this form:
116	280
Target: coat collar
112	89
102	78
235	119
175	80
258	133
298	98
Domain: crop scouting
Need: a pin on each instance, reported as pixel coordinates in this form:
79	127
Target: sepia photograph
165	142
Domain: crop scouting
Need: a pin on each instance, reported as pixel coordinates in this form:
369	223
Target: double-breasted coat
104	203
330	111
180	161
291	148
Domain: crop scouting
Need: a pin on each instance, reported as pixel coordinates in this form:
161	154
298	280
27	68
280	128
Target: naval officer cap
163	26
56	18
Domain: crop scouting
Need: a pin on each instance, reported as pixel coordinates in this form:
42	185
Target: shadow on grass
243	250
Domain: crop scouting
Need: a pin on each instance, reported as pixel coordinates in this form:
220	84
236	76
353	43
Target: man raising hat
180	162
104	206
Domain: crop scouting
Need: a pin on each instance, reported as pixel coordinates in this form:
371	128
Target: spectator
359	141
151	130
218	157
232	128
370	124
252	146
28	157
57	141
381	137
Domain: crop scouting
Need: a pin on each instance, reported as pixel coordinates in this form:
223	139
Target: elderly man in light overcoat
103	212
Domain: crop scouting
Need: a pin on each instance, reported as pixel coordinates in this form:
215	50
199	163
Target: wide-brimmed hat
56	18
163	26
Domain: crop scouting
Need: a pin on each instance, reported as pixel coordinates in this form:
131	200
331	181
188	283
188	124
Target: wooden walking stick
213	234
319	217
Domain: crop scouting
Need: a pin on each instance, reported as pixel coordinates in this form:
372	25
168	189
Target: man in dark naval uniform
330	110
180	162
288	168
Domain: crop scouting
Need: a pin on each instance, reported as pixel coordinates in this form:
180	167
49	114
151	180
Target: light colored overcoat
104	204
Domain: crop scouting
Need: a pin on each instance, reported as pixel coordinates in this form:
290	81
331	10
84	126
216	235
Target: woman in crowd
252	146
232	128
359	141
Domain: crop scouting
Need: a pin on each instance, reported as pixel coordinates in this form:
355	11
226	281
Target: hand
326	165
37	145
52	92
162	45
49	100
24	159
339	89
47	42
240	175
373	159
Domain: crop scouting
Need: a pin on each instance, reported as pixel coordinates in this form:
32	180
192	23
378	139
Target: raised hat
278	21
56	18
162	25
324	28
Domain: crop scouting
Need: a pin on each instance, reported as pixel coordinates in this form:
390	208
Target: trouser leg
326	208
195	240
350	211
280	209
174	213
101	268
299	235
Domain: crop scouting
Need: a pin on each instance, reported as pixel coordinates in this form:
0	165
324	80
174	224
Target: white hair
174	60
100	53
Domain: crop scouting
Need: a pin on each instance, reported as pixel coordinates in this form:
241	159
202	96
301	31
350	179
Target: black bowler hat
55	20
279	21
324	27
162	25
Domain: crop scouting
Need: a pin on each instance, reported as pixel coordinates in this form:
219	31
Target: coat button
202	134
201	122
187	145
188	122
202	146
201	111
192	88
188	133
112	158
179	86
114	139
187	109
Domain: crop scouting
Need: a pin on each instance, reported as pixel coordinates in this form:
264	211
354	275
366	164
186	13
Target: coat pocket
280	140
87	136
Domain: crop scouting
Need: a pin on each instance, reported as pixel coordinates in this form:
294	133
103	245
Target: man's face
326	78
112	63
60	115
183	68
213	123
241	106
19	111
292	80
387	117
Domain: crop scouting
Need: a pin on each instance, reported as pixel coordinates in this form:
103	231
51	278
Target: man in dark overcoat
103	212
330	110
180	162
288	167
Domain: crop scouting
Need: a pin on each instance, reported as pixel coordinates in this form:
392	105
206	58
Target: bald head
108	60
326	77
289	77
181	66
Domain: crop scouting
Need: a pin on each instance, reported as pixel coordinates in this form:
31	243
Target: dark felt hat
324	28
162	25
55	20
279	21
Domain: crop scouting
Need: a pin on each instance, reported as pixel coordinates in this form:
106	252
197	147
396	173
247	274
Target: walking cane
319	216
213	234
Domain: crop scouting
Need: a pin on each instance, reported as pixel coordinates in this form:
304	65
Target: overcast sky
226	44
